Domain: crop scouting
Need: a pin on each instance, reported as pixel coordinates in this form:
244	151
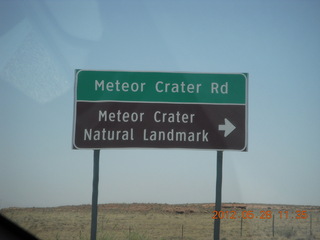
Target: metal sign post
121	109
216	233
94	211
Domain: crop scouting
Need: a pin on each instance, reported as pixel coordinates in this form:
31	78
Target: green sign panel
160	110
161	87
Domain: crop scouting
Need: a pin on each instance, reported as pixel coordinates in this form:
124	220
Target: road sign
160	110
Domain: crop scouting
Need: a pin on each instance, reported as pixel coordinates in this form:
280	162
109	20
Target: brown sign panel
162	125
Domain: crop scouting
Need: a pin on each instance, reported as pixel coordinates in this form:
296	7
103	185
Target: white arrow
227	127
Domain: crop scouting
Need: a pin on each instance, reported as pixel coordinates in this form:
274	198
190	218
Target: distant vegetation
170	222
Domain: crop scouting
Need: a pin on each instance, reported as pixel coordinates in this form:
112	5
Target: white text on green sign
161	87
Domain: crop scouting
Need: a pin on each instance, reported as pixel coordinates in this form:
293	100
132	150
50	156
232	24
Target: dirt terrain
170	222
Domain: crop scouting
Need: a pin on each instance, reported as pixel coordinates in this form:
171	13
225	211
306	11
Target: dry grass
163	222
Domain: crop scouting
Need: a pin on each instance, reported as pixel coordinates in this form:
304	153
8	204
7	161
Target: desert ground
170	222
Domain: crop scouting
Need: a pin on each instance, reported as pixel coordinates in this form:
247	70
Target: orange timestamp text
299	214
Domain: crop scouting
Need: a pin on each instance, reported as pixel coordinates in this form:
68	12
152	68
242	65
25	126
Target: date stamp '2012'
299	214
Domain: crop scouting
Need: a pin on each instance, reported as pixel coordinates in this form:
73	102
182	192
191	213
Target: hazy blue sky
42	42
